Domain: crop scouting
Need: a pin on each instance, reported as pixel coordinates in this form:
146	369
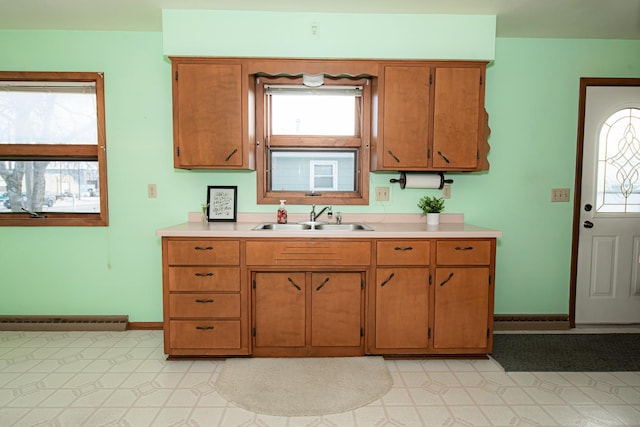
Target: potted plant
431	206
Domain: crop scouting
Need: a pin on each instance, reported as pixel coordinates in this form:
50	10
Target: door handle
587	224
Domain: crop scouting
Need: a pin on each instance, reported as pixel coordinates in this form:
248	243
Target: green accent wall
531	97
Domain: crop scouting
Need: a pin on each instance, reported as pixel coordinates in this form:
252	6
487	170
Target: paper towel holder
403	180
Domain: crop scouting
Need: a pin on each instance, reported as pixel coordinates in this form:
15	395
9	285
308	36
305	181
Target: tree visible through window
52	149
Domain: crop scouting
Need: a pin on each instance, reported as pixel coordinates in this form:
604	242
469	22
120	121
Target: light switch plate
560	194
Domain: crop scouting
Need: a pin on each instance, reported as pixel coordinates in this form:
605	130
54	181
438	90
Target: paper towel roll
422	180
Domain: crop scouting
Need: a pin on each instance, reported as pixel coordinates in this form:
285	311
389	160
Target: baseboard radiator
530	322
63	323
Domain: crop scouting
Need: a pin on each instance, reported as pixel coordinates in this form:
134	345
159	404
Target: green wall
531	97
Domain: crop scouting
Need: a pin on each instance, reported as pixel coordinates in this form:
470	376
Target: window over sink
313	141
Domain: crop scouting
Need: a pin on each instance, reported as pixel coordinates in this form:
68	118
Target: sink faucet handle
339	217
330	213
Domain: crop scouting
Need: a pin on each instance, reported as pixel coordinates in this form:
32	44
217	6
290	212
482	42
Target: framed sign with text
222	203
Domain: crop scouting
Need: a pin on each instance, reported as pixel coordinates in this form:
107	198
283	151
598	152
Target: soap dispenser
282	213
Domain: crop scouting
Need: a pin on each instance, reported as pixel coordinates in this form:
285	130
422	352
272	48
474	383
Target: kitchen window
313	140
52	149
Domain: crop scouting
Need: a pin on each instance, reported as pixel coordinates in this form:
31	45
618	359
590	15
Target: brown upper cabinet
213	110
426	115
431	117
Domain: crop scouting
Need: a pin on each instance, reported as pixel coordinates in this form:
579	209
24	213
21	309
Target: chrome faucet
313	216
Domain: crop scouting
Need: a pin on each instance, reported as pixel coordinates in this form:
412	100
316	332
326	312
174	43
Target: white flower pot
433	218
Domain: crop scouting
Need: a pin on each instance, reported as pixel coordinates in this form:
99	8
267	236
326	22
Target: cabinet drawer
205	278
204	305
403	252
203	252
305	252
463	252
221	334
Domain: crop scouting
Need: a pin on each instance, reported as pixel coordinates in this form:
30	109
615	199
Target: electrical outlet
446	191
152	191
560	194
382	194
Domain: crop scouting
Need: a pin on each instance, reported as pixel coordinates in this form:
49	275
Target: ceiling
593	19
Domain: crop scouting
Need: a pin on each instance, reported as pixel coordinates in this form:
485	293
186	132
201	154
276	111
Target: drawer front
221	334
204	279
403	252
204	305
463	252
203	252
306	252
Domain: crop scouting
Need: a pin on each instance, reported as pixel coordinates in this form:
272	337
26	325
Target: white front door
608	263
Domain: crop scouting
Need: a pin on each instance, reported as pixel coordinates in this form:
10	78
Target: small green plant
429	204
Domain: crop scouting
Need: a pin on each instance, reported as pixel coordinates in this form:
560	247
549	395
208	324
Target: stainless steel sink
344	227
282	227
319	226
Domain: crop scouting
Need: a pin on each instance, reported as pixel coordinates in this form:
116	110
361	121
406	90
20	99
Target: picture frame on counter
222	203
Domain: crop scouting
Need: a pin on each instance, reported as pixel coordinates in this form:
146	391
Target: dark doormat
567	352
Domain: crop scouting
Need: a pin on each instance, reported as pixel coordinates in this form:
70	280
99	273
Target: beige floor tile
85	379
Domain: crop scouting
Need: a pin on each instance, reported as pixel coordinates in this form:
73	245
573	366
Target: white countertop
384	226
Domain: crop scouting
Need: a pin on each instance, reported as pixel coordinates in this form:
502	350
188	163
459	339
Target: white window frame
313	175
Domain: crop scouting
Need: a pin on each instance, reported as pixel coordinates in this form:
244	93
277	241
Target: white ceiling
594	19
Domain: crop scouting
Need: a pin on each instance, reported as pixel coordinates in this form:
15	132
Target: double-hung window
52	149
313	140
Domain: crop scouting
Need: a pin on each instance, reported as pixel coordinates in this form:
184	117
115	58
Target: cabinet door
336	309
280	309
456	125
461	308
405	118
402	308
207	115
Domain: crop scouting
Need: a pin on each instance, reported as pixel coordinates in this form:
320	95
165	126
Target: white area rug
303	386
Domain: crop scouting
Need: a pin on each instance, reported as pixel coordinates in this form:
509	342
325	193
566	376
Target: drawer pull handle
200	248
322	284
235	150
447	279
203	274
398	248
443	156
204	301
204	328
393	155
294	283
388	279
466	248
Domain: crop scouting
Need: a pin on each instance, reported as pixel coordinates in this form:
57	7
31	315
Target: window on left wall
53	167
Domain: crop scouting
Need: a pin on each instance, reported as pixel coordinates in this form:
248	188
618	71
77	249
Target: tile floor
122	379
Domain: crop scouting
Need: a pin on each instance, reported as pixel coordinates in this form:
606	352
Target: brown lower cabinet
308	313
328	297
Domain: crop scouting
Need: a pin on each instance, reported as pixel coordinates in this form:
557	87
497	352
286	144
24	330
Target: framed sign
222	203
